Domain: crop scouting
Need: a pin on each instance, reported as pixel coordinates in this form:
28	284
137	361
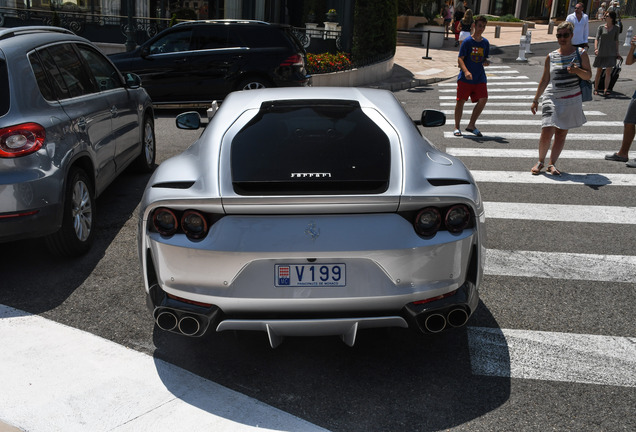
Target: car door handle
181	60
81	123
113	110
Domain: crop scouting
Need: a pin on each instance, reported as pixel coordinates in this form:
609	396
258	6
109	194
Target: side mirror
189	120
132	80
433	118
145	51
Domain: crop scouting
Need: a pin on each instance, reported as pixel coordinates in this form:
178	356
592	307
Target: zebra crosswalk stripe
521	153
551	356
560	265
561	212
526	112
535	136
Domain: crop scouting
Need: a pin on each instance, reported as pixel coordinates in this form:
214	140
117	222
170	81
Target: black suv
202	61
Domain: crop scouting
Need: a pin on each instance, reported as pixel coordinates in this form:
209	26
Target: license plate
319	275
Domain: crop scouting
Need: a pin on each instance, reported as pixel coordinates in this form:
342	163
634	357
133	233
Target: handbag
620	26
585	85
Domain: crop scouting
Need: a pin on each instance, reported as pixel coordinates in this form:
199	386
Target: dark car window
310	147
67	70
4	88
175	41
258	37
41	77
106	76
210	37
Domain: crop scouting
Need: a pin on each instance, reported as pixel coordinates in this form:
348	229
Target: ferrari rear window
311	147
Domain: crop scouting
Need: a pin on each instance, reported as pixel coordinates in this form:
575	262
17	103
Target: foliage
411	7
503	18
327	62
374	29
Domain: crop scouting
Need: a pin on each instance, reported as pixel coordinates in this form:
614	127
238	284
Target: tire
75	236
145	162
253	84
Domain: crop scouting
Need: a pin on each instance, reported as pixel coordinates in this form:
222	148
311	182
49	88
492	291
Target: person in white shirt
580	21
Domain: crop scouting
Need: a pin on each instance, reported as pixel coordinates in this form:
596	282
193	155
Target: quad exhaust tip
187	325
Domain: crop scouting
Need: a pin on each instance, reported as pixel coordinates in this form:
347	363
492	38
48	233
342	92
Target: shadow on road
392	379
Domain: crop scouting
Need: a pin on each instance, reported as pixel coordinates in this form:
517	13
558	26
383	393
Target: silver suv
70	122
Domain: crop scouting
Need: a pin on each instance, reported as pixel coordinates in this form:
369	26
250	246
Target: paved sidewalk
411	70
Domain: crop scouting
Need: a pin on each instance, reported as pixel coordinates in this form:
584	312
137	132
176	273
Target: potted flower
433	35
332	15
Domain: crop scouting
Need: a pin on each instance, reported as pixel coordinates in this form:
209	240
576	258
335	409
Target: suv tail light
21	140
293	60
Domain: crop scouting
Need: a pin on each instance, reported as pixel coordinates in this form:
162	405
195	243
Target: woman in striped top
562	106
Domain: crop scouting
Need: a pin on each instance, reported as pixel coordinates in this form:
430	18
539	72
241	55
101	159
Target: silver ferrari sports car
310	212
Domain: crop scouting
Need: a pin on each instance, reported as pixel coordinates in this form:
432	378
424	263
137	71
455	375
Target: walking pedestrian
457	22
629	124
581	24
562	105
467	25
471	82
606	50
600	13
448	17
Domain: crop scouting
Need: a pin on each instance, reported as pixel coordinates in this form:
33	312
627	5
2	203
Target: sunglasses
562	35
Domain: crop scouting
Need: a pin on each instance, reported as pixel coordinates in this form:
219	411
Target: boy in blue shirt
473	56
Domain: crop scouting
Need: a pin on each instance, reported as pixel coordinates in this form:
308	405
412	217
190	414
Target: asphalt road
391	379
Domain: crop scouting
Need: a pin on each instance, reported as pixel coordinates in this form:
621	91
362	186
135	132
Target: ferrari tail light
21	140
293	60
164	221
429	220
194	224
457	218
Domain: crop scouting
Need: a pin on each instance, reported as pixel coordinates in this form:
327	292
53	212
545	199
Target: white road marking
56	377
490	84
491	97
497	90
561	212
571	179
522	153
551	356
501	71
537	122
505	77
526	112
559	265
490	104
535	136
496	67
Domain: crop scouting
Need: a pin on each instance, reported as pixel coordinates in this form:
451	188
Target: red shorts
475	91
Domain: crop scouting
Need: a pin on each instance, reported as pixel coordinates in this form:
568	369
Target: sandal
553	170
457	133
607	93
596	92
475	132
536	170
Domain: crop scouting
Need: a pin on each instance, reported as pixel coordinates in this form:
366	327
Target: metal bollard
522	49
528	42
524	29
497	31
628	36
551	27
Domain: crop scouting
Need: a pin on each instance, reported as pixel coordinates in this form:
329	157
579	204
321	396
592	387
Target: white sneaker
631	163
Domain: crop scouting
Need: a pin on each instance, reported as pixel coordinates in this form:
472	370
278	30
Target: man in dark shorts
471	82
629	128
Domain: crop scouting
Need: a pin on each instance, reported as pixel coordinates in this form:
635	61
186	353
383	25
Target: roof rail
14	31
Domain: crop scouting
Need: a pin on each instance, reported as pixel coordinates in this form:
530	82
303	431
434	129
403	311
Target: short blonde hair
566	24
